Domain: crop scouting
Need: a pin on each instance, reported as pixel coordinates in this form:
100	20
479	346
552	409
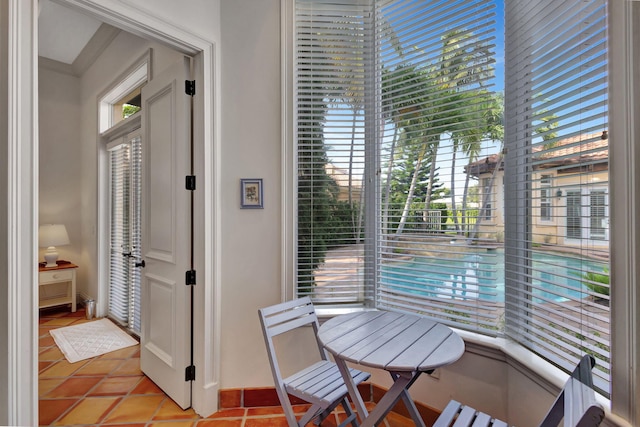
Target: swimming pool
554	277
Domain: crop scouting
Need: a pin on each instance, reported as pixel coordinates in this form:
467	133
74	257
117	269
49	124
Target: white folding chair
576	404
320	384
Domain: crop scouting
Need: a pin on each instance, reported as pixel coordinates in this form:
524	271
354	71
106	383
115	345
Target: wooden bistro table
405	345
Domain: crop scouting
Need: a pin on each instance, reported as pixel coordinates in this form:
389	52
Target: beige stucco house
562	214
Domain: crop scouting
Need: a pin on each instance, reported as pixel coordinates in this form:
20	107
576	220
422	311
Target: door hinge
190	373
190	277
190	182
190	87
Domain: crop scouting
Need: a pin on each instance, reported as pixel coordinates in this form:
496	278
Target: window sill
325	313
537	368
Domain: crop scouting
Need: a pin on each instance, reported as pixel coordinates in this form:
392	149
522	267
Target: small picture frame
251	193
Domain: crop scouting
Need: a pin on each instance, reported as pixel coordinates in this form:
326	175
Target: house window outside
587	215
574	214
130	104
598	215
546	213
123	100
487	198
372	103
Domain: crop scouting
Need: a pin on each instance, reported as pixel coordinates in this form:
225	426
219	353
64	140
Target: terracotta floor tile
90	410
45	385
169	410
74	387
46	341
229	413
395	420
173	424
63	321
50	410
125	425
219	423
299	409
98	367
61	368
44	365
146	386
129	367
51	353
265	410
123	353
266	422
79	313
330	421
44	330
230	398
134	409
115	386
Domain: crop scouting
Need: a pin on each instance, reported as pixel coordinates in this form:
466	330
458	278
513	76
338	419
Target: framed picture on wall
251	193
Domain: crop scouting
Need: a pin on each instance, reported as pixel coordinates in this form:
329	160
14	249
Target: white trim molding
289	159
22	213
624	167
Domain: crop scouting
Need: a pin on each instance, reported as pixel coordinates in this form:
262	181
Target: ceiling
62	32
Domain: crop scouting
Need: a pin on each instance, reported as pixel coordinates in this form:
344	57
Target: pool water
555	278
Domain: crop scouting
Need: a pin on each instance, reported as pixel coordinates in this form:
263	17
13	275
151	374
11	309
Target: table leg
408	402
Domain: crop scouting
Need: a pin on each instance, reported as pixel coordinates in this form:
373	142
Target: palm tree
463	70
405	96
492	123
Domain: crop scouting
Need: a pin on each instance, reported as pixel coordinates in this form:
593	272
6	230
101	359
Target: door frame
22	126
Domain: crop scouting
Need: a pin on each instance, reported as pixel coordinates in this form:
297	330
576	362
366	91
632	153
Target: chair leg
351	416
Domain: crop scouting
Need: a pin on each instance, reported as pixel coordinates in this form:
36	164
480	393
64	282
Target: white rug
90	339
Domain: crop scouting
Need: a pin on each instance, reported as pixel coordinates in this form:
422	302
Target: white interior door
165	340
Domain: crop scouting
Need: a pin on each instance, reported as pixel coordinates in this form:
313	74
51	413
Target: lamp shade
53	235
50	236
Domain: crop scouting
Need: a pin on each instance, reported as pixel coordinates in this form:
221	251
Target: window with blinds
125	233
394	107
428	182
557	240
438	117
333	102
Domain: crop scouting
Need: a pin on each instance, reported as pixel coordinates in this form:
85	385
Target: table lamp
50	236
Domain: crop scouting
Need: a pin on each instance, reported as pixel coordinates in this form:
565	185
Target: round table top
397	342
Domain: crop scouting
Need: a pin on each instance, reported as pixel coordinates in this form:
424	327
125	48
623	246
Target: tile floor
110	390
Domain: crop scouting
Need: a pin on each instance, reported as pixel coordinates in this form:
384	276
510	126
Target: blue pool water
555	278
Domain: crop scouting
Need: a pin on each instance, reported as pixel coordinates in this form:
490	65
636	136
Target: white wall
59	158
251	148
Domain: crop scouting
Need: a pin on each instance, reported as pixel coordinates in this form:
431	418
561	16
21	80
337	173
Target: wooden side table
57	285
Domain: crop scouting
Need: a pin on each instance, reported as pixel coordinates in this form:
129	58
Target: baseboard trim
267	396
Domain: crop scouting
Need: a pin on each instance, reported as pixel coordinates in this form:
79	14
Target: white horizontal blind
119	265
439	251
124	276
136	233
557	241
332	69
